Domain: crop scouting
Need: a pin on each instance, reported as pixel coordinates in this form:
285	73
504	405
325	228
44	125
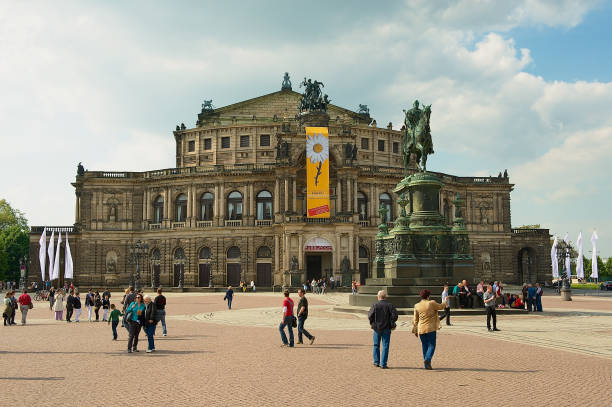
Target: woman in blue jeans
150	322
229	296
426	323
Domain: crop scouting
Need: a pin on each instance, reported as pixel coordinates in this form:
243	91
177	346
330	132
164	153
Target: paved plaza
216	357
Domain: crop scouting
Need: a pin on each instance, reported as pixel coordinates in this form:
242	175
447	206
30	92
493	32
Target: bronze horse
417	137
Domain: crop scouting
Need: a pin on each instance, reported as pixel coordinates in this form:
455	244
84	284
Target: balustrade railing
154	226
178	225
204	223
263	222
233	223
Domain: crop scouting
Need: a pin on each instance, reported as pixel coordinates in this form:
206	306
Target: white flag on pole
553	259
579	262
568	259
51	252
594	271
42	253
56	267
68	270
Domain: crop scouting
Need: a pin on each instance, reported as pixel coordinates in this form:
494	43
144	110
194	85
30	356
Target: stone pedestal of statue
420	252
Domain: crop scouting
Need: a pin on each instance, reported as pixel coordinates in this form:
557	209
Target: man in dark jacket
69	307
382	316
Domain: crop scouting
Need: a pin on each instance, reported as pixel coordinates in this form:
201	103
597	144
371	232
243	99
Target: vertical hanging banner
317	172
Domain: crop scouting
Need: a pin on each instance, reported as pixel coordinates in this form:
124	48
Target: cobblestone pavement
215	357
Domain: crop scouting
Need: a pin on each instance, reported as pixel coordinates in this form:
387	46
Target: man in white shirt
447	311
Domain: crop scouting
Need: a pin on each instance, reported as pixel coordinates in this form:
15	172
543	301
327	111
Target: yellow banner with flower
317	172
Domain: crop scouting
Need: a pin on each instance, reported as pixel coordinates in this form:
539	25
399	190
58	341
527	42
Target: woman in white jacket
58	307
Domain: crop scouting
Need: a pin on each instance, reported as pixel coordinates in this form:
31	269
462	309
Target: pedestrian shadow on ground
332	346
32	378
465	369
161	352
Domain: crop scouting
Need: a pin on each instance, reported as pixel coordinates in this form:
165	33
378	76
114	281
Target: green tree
14	240
536	226
10	216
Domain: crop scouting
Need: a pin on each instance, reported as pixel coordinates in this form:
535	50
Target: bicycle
42	295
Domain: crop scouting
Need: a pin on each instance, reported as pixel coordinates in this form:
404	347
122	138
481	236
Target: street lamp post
137	250
181	259
22	271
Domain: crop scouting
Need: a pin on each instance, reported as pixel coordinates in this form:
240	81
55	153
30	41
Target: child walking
113	319
105	307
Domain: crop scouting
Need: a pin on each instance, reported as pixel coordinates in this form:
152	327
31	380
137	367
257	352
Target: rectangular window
207	144
365	144
244	141
264	140
395	147
191	146
381	145
225	142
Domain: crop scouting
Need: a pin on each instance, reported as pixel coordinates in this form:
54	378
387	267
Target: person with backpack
69	307
150	321
160	305
287	321
134	319
25	304
105	308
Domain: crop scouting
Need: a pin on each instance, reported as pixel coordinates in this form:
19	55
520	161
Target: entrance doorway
204	275
233	274
314	268
264	274
178	269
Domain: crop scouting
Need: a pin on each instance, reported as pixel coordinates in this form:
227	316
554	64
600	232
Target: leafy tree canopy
10	216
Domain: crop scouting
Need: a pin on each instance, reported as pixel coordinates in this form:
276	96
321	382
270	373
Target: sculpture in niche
484	204
294	264
486	262
111	262
345	265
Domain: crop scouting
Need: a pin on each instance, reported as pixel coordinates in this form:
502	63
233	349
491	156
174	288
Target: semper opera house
234	207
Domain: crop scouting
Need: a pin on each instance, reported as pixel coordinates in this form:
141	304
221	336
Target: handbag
31	305
294	321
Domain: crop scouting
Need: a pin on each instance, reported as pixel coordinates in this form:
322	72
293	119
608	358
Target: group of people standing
11	304
140	312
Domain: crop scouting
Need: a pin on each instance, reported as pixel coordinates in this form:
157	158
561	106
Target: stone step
400	290
427	281
455	312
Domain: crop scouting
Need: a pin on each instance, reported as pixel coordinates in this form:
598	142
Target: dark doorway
233	274
313	267
363	272
177	274
156	270
204	274
264	274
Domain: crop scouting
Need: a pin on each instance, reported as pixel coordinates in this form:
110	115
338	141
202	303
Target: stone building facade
234	206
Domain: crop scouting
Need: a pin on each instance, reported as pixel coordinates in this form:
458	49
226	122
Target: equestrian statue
417	136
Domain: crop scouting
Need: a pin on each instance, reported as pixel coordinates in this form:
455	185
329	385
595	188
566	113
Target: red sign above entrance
318	244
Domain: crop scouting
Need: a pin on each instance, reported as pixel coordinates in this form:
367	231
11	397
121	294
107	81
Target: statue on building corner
286	82
80	170
313	98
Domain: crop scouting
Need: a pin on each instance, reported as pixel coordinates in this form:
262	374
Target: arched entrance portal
527	265
319	258
364	265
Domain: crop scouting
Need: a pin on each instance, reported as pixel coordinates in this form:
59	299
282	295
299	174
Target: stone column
277	196
294	182
372	202
286	207
286	252
217	199
189	204
351	255
349	195
221	205
301	254
337	256
252	213
277	268
339	195
355	208
245	204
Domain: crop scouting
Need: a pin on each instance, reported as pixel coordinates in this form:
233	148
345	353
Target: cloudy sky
523	85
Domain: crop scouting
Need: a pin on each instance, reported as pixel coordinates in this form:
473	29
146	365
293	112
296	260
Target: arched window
179	254
158	209
207	201
233	252
363	252
264	205
205	253
181	208
155	255
362	206
264	252
234	206
385	200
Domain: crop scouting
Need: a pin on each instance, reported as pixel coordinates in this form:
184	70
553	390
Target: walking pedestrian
287	320
14	305
382	317
538	301
229	295
160	304
489	300
135	318
25	304
426	323
97	304
51	298
150	322
105	308
89	303
447	311
58	307
113	320
106	293
69	306
531	298
128	299
76	305
6	312
302	314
